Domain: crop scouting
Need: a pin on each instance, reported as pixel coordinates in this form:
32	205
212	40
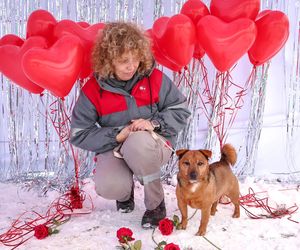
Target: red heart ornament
230	10
159	57
41	23
11	39
225	43
57	68
175	38
194	9
87	37
11	62
272	33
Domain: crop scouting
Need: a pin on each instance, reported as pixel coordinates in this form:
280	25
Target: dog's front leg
205	213
184	213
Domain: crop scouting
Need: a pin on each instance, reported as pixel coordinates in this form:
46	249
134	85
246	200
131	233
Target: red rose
171	246
124	234
166	226
41	231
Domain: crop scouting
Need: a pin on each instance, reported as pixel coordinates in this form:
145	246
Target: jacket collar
122	87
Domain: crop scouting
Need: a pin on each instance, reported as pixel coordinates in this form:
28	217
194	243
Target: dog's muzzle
193	176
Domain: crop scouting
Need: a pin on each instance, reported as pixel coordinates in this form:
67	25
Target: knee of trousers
141	145
112	189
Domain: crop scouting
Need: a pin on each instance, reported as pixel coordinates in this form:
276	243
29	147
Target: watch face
155	124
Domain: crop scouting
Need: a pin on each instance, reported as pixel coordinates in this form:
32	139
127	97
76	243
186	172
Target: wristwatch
155	124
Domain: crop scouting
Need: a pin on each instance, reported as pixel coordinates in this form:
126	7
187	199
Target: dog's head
193	164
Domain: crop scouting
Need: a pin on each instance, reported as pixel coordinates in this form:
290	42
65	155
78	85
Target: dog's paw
201	232
236	215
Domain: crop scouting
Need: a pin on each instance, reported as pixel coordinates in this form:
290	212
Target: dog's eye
199	163
187	163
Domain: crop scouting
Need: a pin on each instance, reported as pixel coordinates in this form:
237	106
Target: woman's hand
124	133
141	124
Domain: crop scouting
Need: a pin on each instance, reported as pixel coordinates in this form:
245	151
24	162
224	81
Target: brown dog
201	185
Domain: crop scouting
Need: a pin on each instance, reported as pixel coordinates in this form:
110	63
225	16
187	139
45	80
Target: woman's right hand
123	134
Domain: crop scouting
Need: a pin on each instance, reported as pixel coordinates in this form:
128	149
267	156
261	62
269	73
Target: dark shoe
151	218
126	206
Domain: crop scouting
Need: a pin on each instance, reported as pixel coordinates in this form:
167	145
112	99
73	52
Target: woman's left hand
141	124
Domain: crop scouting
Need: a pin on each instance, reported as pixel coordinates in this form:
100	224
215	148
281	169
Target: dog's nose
193	175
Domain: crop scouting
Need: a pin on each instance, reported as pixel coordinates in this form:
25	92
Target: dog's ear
181	152
207	153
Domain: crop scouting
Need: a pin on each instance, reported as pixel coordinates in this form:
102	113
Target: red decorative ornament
173	35
87	36
194	9
159	57
11	62
76	198
41	231
41	23
124	234
171	246
272	33
166	226
230	10
225	43
12	40
57	68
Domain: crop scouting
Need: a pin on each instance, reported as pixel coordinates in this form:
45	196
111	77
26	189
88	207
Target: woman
129	114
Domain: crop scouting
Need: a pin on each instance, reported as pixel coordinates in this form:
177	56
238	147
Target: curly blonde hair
116	39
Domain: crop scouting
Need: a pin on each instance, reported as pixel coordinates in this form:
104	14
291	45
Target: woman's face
126	66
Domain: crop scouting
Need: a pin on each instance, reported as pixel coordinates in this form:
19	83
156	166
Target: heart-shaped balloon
57	68
11	39
159	57
87	37
11	62
194	9
199	52
272	33
230	10
83	24
225	43
175	38
41	23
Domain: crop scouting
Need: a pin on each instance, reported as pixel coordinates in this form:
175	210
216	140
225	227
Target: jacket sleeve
172	108
86	133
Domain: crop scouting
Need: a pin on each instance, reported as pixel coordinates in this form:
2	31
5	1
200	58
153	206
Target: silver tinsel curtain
30	151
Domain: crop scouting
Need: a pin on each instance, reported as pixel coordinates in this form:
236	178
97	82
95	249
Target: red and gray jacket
102	110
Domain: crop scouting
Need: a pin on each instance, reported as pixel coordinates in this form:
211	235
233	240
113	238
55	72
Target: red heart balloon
230	10
41	23
87	37
194	9
11	39
272	33
57	68
223	42
11	62
159	57
173	35
199	52
83	24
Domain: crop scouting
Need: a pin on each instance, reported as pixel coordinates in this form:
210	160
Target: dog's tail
228	154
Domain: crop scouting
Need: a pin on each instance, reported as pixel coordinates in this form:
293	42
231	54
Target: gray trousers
143	156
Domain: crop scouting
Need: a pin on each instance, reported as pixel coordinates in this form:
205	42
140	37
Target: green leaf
175	218
56	222
138	245
162	243
55	231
